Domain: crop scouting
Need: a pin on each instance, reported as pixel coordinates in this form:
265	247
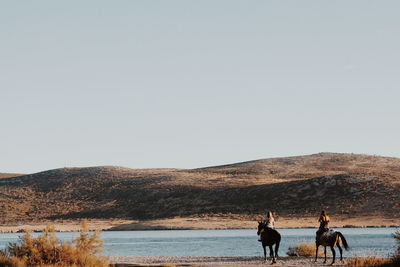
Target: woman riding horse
329	238
269	237
323	223
269	220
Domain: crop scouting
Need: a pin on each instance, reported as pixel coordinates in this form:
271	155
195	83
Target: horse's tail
346	246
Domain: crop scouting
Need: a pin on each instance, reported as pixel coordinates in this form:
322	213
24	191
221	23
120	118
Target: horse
330	238
269	237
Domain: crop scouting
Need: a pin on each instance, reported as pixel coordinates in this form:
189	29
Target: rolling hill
345	184
8	175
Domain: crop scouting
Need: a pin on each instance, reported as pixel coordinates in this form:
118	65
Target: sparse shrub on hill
47	251
363	185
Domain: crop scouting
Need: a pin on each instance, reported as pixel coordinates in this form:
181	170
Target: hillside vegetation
342	183
8	175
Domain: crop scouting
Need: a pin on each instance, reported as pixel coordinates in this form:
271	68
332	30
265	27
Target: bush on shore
396	256
305	249
373	261
47	251
370	261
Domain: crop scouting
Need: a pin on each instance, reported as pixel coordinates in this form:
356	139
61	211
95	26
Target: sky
186	84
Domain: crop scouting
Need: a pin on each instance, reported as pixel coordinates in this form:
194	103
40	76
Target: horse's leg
341	251
325	254
334	254
273	254
316	251
265	253
276	249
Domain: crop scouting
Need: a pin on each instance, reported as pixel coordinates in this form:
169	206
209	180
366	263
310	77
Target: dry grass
359	185
47	251
9	175
305	249
371	261
396	256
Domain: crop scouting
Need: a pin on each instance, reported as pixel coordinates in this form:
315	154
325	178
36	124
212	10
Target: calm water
363	241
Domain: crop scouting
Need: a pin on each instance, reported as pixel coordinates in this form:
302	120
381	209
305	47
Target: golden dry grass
374	261
371	261
9	175
47	251
358	185
305	249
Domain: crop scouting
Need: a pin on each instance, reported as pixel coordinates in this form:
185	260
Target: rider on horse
323	226
269	221
269	237
329	238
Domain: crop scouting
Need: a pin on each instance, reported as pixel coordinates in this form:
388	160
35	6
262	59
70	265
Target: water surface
242	242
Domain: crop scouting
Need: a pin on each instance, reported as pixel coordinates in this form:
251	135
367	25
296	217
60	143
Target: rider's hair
324	216
269	214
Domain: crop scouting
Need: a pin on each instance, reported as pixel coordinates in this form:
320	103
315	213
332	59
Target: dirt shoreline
198	223
130	261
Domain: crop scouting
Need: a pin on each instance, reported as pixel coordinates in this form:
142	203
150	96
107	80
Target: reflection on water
362	241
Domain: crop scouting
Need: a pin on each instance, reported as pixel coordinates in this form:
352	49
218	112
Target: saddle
321	231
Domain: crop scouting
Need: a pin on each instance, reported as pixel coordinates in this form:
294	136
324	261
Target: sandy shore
209	222
237	223
128	261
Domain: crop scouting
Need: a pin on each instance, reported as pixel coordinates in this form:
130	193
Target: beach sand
128	261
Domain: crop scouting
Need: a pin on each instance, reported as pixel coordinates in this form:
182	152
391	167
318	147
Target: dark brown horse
269	237
330	238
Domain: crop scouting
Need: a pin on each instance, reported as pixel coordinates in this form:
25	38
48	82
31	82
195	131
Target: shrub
305	249
11	261
371	261
396	256
396	236
46	250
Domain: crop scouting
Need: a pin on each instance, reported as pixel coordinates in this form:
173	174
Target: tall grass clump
305	249
396	255
373	261
47	251
370	261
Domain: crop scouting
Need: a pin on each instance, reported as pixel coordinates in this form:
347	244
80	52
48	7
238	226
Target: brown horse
269	237
330	238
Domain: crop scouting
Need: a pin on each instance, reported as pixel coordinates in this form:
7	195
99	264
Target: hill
8	175
345	184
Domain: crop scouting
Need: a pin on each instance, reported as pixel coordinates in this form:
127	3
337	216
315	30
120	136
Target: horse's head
261	226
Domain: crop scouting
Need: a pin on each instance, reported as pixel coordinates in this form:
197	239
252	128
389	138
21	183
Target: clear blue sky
188	84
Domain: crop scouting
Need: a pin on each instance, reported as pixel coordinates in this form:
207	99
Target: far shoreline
197	223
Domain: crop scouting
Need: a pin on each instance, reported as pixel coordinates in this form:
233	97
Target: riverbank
199	223
130	261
